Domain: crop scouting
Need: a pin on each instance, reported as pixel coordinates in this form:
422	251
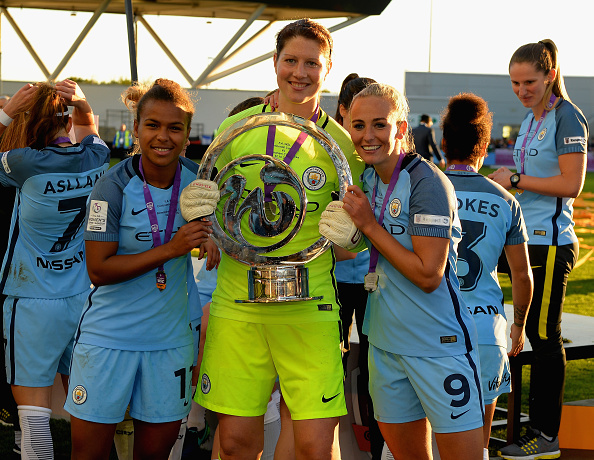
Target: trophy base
287	299
278	283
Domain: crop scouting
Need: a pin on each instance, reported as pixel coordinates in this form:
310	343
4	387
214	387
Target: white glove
336	225
199	199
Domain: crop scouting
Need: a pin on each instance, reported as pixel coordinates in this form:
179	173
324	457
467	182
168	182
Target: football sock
36	441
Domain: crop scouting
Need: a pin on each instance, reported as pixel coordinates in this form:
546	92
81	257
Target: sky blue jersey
491	218
45	256
134	314
400	317
564	130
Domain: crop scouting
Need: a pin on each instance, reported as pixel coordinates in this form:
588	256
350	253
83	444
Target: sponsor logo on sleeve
5	163
429	219
98	216
574	140
98	140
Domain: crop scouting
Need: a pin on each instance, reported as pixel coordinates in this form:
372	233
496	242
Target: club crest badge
205	384
79	394
395	207
542	134
314	178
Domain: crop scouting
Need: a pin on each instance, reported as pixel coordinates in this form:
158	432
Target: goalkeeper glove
336	225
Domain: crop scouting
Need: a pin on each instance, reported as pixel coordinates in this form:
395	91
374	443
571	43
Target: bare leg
489	412
408	440
316	439
241	438
153	441
464	444
285	446
90	440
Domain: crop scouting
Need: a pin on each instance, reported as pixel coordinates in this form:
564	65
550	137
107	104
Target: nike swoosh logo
454	417
134	213
243	165
325	400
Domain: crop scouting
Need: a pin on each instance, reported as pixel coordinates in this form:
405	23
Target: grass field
579	300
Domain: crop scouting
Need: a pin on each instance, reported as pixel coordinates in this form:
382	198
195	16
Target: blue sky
467	36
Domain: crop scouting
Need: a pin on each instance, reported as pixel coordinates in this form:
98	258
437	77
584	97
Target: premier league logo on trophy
270	214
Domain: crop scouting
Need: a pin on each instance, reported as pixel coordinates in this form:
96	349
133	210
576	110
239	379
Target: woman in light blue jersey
43	274
423	358
491	222
550	157
134	344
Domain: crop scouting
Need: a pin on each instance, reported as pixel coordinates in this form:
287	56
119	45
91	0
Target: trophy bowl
270	278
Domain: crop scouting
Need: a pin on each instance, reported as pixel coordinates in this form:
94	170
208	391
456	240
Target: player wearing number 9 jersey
491	221
44	273
423	361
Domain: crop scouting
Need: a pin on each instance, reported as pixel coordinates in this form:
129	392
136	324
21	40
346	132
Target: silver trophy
270	278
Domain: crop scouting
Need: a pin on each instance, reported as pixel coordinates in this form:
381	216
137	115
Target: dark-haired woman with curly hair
134	345
491	221
550	157
43	274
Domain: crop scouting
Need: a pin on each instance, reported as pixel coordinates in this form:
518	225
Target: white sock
36	441
485	454
178	447
547	437
123	438
271	434
18	436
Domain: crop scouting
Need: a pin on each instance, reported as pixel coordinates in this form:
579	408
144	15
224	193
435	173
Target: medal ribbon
152	213
373	252
60	140
268	188
527	143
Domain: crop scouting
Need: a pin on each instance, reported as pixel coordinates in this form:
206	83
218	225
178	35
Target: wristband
519	325
4	118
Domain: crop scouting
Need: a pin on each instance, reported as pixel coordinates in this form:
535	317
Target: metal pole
98	12
430	33
131	41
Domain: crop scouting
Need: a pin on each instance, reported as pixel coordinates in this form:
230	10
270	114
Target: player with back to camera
491	221
298	341
43	274
550	157
423	357
134	345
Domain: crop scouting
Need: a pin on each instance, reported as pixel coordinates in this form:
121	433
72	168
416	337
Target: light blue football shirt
564	130
400	317
45	256
491	218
